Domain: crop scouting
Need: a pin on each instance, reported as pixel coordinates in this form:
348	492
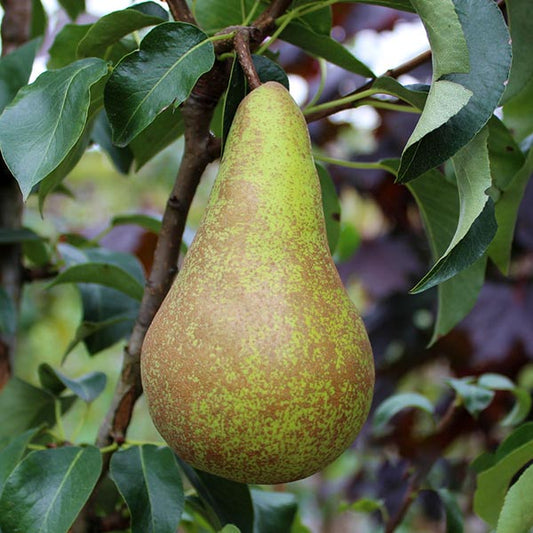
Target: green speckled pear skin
257	367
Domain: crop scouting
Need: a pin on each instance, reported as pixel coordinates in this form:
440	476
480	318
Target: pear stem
242	49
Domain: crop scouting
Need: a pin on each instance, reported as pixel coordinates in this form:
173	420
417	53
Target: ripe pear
257	367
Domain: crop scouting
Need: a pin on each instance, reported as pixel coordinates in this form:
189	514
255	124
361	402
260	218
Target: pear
257	367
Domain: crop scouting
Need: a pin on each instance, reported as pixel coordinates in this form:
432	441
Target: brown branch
266	22
396	72
242	49
15	31
181	12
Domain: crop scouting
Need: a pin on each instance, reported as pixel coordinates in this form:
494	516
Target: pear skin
257	367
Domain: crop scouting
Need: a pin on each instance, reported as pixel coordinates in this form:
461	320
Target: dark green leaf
145	221
149	479
412	95
164	130
493	482
101	304
13	236
438	202
474	397
274	511
15	70
454	517
59	100
87	387
520	16
64	48
476	224
402	5
331	206
230	502
11	455
110	28
214	15
320	21
161	74
73	7
108	275
507	212
49	379
8	313
348	242
443	27
487	38
516	515
319	45
393	405
518	113
48	489
23	406
88	330
122	157
38	19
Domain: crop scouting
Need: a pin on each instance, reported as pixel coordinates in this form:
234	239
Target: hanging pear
257	367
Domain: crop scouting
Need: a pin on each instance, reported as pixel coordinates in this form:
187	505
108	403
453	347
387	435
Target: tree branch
242	49
181	12
396	72
15	31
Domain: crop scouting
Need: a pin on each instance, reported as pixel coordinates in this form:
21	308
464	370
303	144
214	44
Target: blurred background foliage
382	252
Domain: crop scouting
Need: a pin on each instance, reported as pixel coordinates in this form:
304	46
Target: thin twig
181	12
396	72
242	49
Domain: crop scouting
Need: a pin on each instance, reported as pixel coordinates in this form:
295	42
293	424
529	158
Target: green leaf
15	70
87	387
331	206
443	27
229	502
48	489
495	382
149	479
102	304
393	405
39	19
23	406
476	226
438	202
122	157
520	409
402	5
87	330
454	517
64	48
108	275
8	313
319	45
412	95
274	511
487	39
507	213
348	242
474	397
516	515
230	528
518	113
493	483
73	7
11	454
49	379
145	221
162	73
164	130
60	101
520	16
110	28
